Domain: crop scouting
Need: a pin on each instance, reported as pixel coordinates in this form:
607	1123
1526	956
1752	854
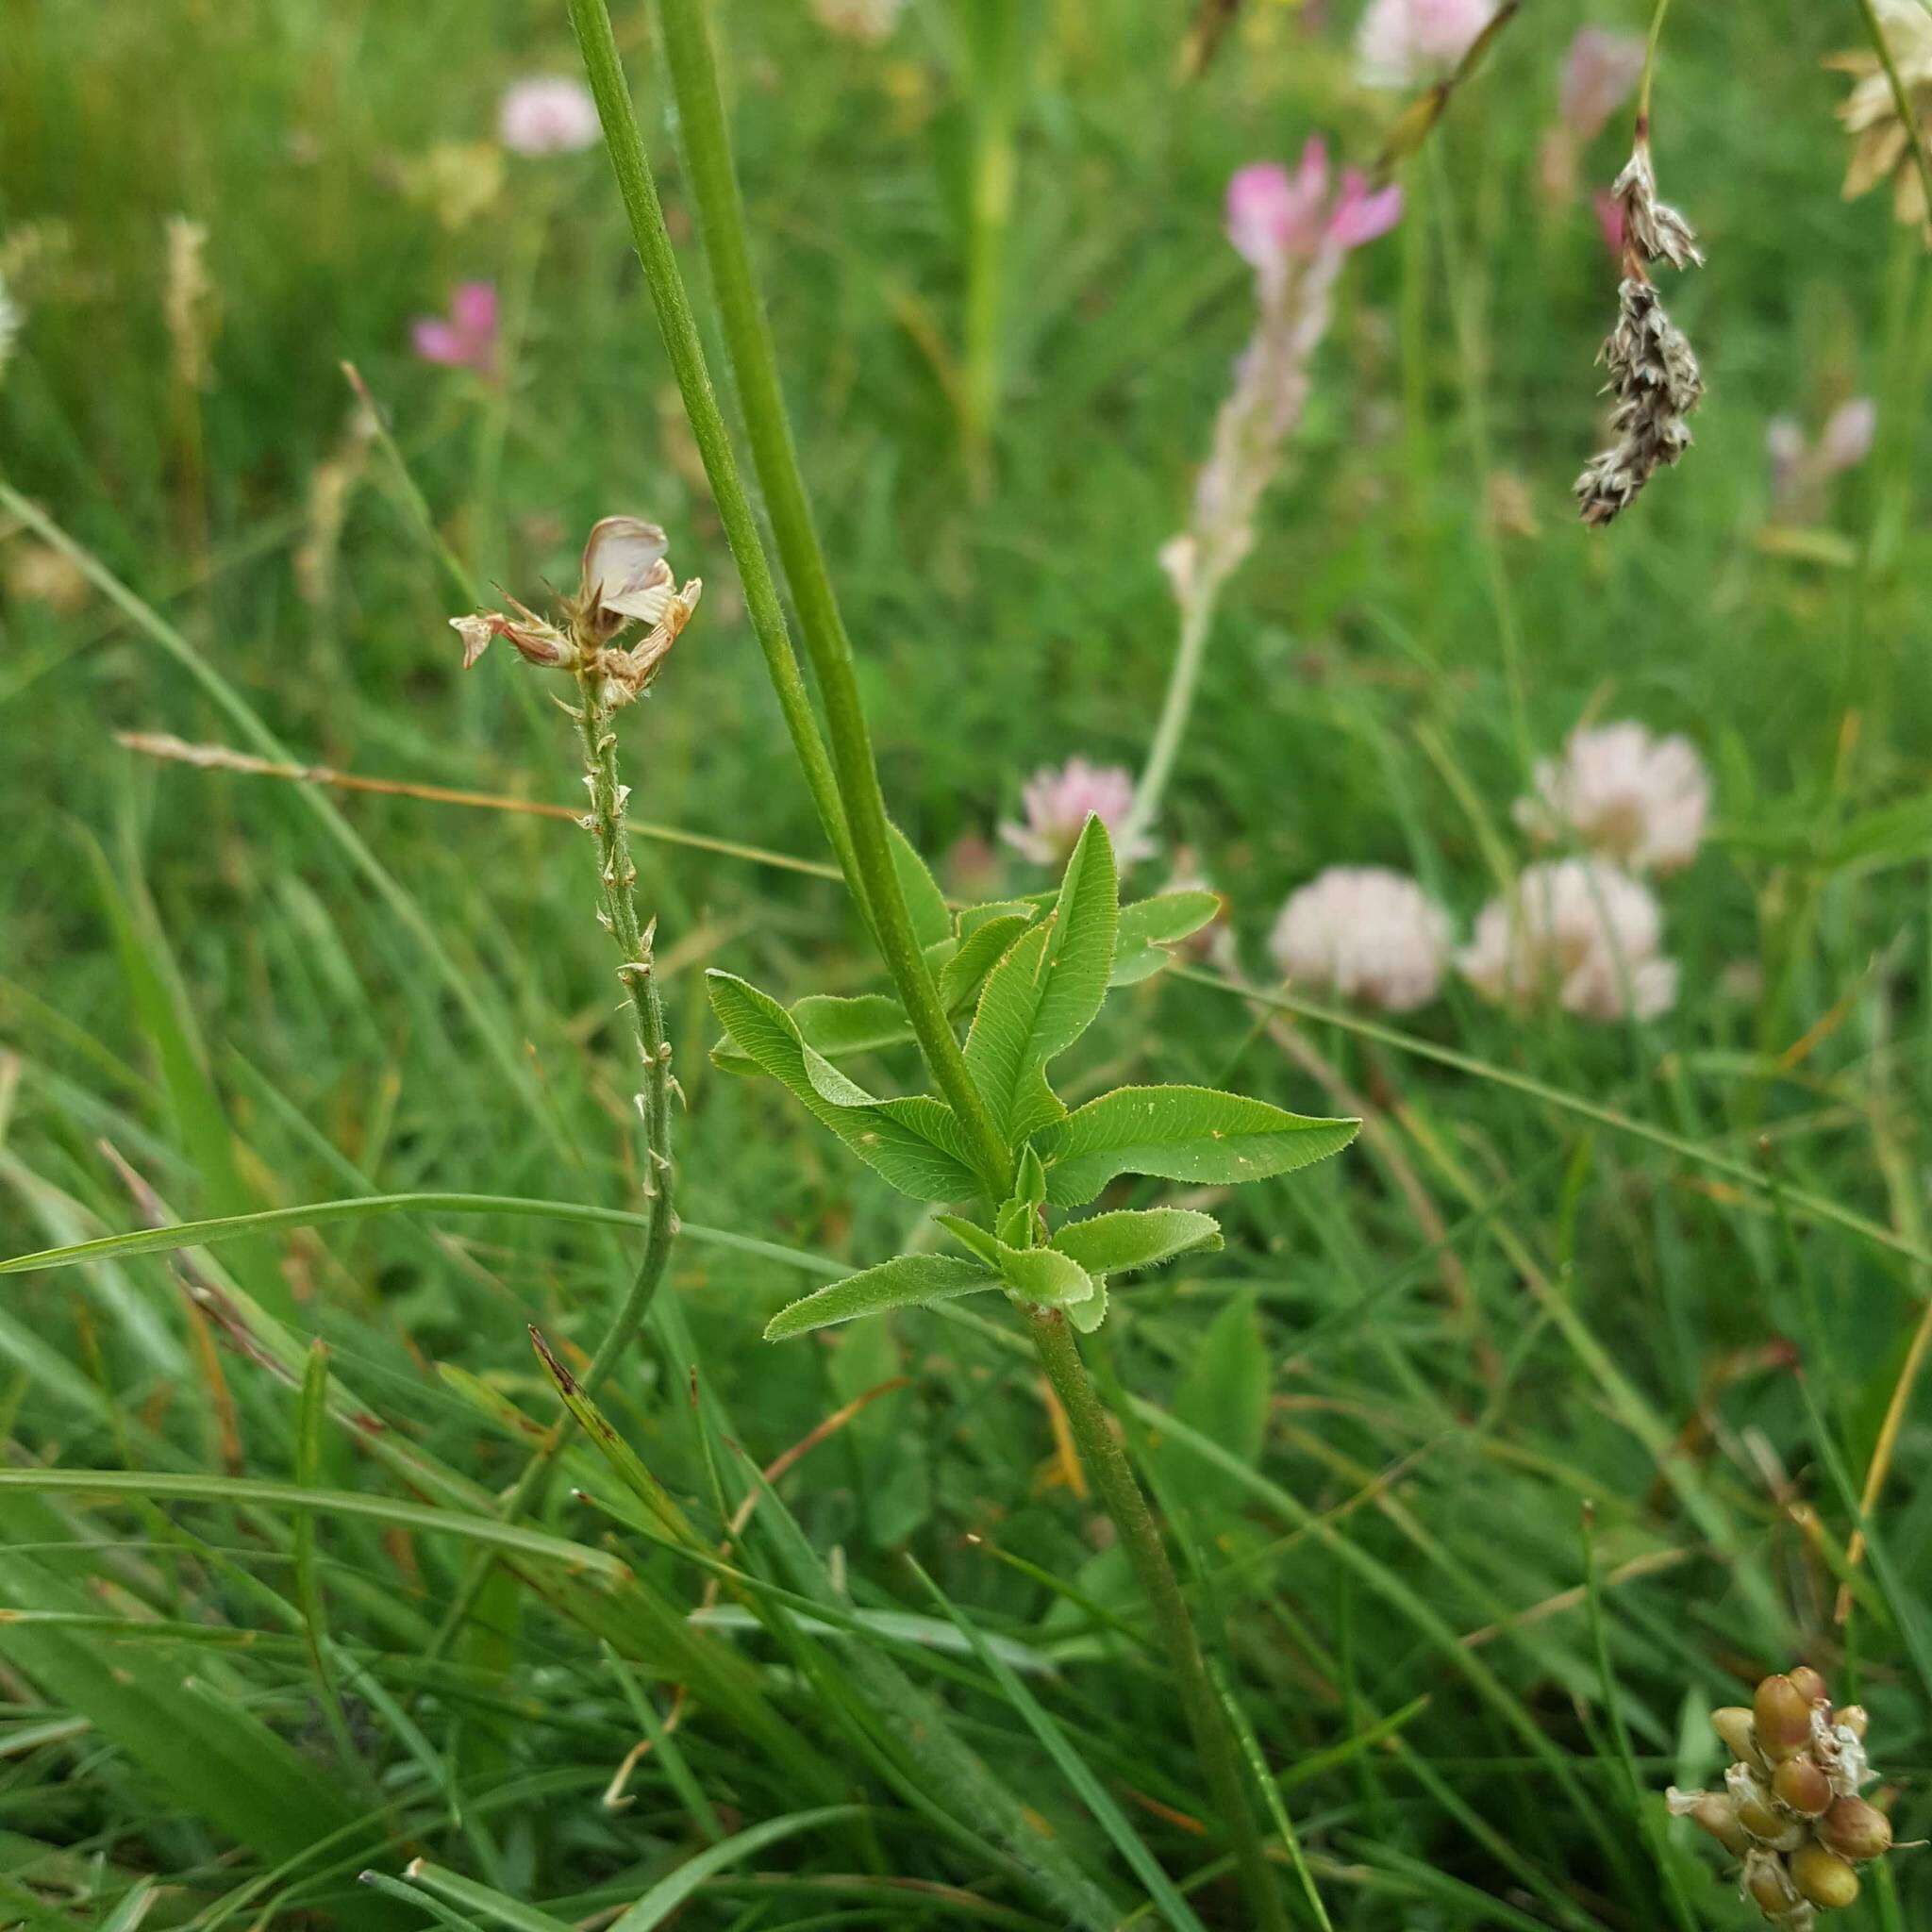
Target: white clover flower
547	114
1406	43
1364	932
1581	929
1640	800
1058	805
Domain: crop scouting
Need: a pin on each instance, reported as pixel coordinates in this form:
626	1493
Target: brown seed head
1783	1718
1733	1724
1800	1784
1809	1684
1855	1829
1824	1878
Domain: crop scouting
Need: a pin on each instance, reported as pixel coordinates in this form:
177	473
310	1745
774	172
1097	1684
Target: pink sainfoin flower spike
1404	43
1366	933
1638	800
1059	803
1295	234
466	337
547	114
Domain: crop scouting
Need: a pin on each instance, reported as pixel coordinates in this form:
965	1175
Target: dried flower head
1364	932
188	301
1882	143
1057	804
464	338
1577	929
1654	372
1638	800
547	114
1406	43
1790	1809
625	581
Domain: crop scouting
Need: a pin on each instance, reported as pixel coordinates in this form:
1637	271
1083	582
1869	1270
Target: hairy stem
1183	678
617	877
866	855
1113	1476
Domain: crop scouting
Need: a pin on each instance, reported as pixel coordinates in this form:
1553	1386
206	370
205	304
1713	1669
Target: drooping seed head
1855	1829
1822	1878
1782	1715
1801	1785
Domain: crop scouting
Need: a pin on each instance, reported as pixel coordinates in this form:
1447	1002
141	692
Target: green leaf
973	1238
1046	990
906	1281
1034	1274
931	920
1150	925
668	1894
1225	1395
1180	1134
1136	1238
979	952
915	1143
832	1026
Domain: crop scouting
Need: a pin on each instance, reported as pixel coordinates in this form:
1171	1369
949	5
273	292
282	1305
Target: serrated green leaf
1043	1276
1046	990
1180	1134
1150	925
931	920
833	1026
906	1281
979	952
1089	1314
914	1144
1136	1238
973	1238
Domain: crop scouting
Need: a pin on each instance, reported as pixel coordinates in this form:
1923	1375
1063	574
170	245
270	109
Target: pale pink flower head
1275	216
1577	929
1847	437
547	114
1598	73
1638	800
1404	43
464	338
1364	932
1059	804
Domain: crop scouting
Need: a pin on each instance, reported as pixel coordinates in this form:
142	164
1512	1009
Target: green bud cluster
1789	1810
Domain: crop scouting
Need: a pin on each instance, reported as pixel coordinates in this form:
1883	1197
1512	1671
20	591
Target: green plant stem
617	879
991	30
1106	1461
638	190
1177	706
866	852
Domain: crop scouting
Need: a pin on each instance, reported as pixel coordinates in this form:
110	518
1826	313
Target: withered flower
1882	143
625	581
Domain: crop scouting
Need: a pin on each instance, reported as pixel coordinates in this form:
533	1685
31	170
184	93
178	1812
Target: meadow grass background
262	997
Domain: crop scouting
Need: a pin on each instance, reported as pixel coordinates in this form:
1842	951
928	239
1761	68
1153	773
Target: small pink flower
1059	804
1848	435
547	114
1275	218
1600	70
466	337
1406	43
